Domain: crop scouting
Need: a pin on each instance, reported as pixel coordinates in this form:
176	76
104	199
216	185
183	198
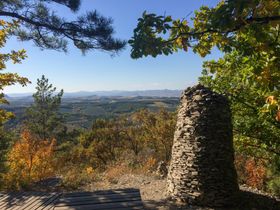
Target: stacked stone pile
202	171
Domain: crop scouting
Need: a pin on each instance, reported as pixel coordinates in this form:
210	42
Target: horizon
23	94
98	71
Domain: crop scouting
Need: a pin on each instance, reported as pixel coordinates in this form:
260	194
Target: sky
95	71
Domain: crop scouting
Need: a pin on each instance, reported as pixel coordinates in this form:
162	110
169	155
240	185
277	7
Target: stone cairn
202	169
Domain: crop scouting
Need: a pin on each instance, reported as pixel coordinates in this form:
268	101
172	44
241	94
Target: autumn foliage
251	171
29	160
7	78
256	173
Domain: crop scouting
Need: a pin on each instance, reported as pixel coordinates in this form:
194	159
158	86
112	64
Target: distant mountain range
146	93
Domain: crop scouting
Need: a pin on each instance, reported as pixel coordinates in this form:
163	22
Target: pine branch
94	33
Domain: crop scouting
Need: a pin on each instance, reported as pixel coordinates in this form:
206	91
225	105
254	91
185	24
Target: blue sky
98	70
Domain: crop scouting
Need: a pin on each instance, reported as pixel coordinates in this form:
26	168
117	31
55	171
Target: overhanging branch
260	20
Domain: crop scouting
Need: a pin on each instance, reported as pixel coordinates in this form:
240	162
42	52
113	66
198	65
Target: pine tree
43	118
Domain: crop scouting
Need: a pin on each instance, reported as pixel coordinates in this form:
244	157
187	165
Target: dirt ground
152	190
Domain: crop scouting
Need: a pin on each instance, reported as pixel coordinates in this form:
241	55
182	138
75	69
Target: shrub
273	176
74	177
149	165
251	171
274	185
114	172
256	173
29	160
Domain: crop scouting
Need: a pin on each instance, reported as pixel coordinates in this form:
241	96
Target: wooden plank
101	192
119	205
99	197
49	204
39	201
22	200
11	199
96	201
5	195
26	200
94	197
30	199
104	200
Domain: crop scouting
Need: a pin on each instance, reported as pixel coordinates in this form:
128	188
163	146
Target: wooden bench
107	199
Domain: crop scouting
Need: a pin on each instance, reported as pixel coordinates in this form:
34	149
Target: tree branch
260	20
30	21
91	34
275	151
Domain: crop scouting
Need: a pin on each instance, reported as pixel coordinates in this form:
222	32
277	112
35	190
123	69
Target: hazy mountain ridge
146	93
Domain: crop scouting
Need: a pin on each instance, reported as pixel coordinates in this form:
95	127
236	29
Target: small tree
7	79
30	159
102	142
43	117
157	131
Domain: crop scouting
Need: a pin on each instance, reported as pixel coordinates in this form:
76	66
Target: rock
162	169
202	170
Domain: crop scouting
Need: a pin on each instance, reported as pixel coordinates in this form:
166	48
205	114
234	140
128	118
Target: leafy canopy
48	30
218	26
254	105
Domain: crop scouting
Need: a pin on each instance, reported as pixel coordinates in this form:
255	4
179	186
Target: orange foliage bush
256	173
251	171
149	165
29	160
